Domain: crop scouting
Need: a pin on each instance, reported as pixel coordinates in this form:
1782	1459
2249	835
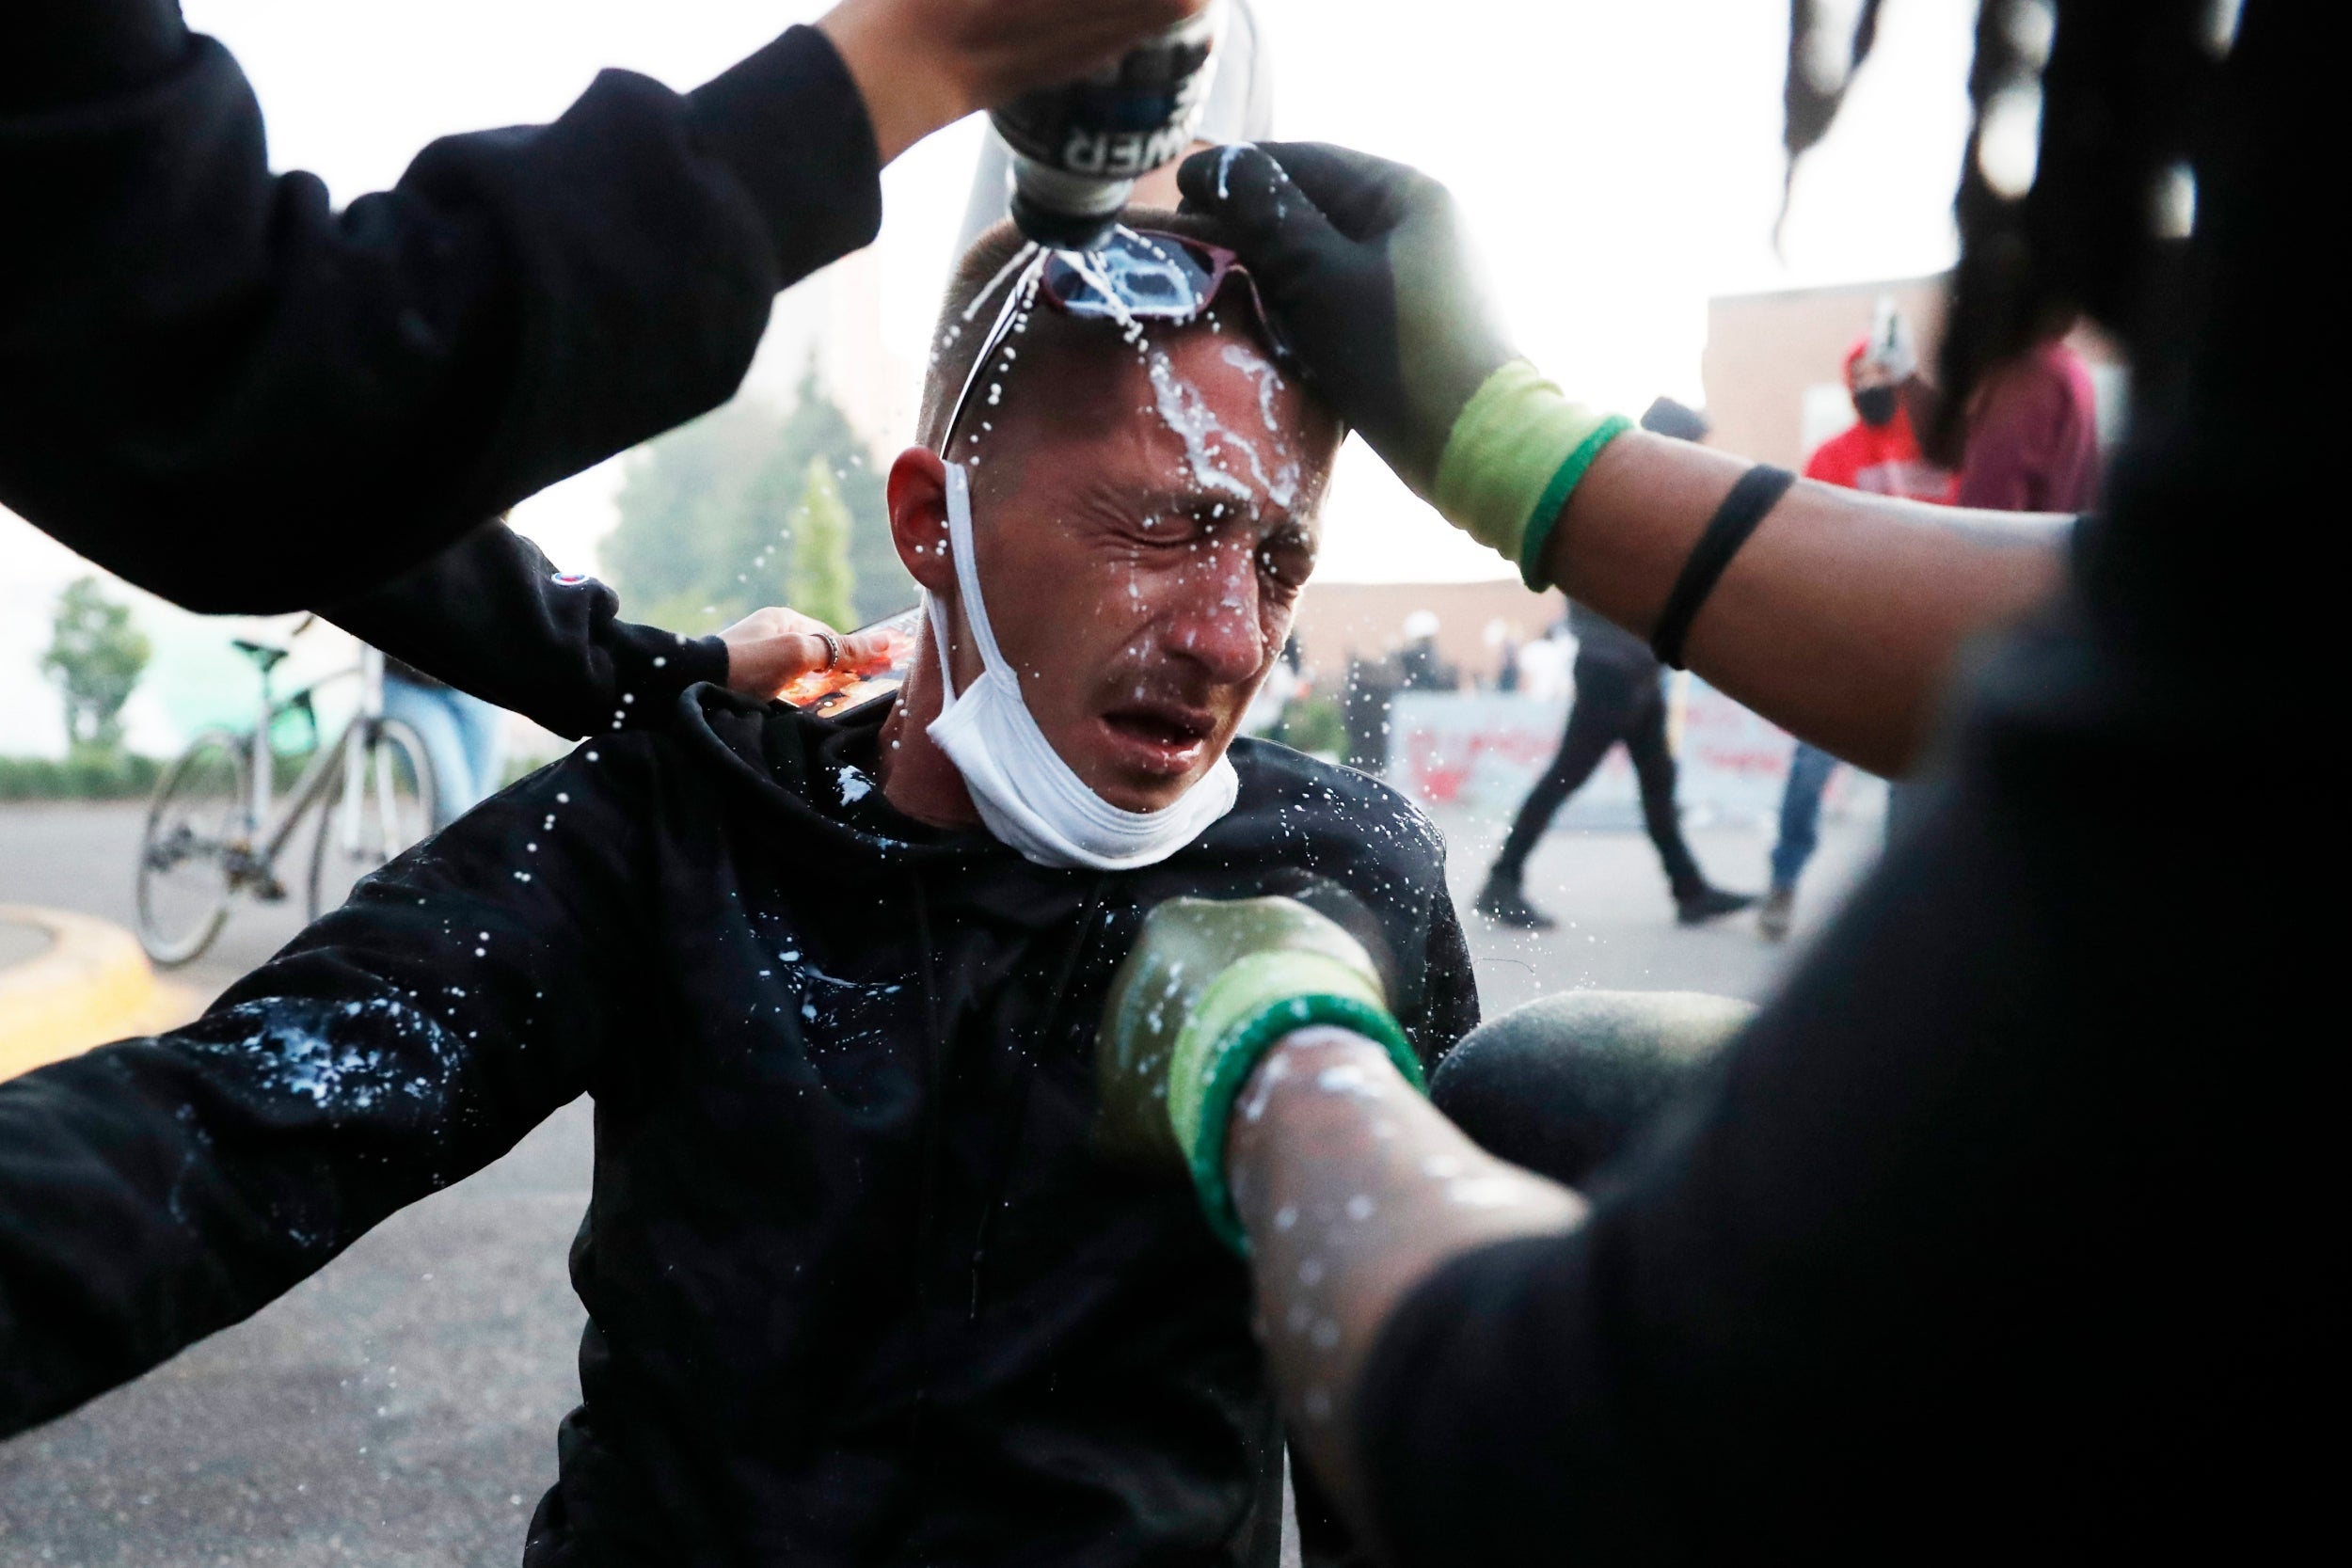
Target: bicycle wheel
196	831
364	820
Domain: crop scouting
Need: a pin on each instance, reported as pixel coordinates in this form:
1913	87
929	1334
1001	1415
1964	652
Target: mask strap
968	574
938	614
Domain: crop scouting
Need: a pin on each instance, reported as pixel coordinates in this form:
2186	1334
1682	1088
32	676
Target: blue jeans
1809	768
465	741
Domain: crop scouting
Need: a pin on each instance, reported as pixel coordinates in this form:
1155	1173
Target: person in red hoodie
1877	452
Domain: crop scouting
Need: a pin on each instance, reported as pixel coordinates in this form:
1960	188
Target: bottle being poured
1079	147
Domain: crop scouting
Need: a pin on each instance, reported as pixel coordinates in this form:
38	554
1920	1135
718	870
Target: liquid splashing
1207	442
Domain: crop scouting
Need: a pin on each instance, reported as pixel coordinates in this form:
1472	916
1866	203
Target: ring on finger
832	650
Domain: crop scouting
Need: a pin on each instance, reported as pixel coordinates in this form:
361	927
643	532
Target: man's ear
917	496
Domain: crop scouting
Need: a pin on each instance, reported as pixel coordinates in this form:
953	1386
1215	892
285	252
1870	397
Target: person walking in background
1879	453
1420	665
1620	697
464	736
1809	773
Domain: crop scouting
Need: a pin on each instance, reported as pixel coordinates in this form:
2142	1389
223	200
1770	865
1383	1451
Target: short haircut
956	340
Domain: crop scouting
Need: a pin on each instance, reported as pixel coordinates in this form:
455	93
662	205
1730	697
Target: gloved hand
1362	263
1208	990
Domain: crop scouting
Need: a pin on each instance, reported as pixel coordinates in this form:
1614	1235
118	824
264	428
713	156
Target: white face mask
1030	797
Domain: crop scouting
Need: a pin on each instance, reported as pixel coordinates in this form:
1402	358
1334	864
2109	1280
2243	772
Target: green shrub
88	773
1313	724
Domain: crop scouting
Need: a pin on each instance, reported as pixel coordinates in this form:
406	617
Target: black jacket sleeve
226	392
1980	1226
154	1191
1451	1010
492	617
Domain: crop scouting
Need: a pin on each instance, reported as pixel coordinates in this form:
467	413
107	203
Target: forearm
492	617
185	395
1353	1190
1842	615
156	1190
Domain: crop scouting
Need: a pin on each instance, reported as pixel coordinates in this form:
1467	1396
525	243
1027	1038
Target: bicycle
212	836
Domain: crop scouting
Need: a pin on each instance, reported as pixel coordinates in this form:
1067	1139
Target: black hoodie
860	1290
227	391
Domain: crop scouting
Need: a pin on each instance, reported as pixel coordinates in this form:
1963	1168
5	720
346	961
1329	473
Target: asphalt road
400	1408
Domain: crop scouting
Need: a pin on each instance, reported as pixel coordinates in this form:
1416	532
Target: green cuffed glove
1364	267
1208	989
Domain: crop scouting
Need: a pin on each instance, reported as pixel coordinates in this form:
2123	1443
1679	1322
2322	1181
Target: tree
96	657
708	513
821	582
671	555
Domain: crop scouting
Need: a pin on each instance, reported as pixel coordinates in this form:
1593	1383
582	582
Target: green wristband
1516	452
1243	1014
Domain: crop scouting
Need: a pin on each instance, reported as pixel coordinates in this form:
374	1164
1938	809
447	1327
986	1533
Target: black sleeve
492	617
1451	1009
1971	1222
156	1190
226	392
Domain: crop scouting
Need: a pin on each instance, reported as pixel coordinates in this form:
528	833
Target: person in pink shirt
2033	436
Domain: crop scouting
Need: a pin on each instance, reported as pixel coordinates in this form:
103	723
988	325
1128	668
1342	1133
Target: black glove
1361	262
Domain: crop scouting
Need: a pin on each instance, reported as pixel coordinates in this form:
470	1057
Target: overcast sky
1621	162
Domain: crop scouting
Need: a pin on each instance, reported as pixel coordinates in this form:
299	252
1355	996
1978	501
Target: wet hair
2122	91
954	340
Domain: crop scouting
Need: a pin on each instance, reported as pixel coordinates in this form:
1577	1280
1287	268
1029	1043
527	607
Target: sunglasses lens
1134	275
1148	277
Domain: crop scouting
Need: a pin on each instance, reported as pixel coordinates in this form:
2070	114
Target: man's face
1145	518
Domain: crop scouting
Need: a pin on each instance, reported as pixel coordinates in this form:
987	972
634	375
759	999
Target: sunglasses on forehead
1140	274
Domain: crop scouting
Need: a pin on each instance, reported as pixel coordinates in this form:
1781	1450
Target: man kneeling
860	1286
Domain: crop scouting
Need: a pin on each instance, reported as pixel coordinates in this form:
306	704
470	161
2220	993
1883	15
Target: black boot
1707	902
1503	902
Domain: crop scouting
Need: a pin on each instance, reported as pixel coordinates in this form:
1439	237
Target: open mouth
1160	738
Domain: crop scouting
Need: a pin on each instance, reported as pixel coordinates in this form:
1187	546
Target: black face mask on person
1876	404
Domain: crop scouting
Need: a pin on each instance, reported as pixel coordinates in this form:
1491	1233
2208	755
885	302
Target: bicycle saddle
261	653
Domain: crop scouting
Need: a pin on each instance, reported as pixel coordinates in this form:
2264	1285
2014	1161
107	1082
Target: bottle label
1123	155
1127	120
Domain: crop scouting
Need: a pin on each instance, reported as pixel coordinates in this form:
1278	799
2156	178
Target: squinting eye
1289	565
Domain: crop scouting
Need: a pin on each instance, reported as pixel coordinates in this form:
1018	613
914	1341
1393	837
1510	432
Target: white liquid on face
1206	439
1269	381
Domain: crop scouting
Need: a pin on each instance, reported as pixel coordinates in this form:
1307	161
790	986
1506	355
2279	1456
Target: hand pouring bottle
1079	147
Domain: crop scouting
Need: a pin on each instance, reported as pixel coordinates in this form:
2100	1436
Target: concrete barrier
69	982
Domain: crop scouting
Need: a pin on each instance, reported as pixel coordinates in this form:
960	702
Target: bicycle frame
350	744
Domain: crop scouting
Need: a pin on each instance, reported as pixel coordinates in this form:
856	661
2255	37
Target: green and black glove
1361	262
1208	990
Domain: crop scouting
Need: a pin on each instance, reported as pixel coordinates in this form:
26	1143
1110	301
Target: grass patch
86	775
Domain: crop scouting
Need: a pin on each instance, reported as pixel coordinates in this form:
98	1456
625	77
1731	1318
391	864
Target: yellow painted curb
90	986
